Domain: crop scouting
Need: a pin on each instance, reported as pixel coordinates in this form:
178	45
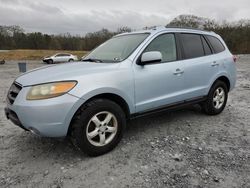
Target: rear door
199	65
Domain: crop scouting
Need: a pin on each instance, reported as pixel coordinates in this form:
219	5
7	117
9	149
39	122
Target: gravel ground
183	148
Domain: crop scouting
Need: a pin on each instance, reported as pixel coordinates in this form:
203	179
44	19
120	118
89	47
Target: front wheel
50	61
98	126
217	98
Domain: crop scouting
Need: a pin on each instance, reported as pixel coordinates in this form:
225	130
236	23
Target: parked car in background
130	75
59	58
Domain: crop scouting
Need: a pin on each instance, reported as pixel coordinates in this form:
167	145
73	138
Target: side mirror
150	57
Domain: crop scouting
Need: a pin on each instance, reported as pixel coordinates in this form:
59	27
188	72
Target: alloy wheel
219	98
102	128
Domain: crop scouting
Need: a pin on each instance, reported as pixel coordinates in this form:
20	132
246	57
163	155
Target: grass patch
35	54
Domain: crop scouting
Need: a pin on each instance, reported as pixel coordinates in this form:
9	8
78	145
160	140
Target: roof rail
192	28
154	27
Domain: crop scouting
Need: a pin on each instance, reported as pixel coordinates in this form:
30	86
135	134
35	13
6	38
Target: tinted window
164	44
207	48
192	45
216	44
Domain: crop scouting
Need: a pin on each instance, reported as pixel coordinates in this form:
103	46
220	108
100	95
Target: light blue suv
130	75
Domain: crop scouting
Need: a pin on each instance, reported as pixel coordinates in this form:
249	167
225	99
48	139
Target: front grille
13	92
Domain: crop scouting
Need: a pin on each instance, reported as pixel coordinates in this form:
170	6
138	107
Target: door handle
178	71
214	64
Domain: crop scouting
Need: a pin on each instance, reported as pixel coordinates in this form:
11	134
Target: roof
173	29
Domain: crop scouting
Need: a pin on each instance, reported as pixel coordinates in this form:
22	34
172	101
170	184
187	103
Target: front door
159	84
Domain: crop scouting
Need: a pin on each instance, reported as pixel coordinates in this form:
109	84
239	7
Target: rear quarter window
207	48
216	44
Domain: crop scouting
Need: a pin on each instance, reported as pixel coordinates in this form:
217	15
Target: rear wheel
217	98
98	126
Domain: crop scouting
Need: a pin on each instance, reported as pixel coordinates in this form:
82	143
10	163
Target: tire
213	105
82	125
71	60
50	61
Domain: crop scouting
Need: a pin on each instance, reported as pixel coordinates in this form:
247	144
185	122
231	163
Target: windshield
116	49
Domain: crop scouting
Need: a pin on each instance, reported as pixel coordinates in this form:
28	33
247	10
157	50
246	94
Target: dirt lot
183	148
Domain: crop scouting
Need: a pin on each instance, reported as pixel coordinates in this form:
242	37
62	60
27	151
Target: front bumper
13	118
49	117
45	60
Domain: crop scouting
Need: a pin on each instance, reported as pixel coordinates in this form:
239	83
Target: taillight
235	58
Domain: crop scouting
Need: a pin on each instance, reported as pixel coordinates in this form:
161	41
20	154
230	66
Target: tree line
236	36
14	37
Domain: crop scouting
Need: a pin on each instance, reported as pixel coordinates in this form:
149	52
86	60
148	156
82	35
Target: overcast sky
81	16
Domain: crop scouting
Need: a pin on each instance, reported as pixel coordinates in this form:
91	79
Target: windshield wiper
92	60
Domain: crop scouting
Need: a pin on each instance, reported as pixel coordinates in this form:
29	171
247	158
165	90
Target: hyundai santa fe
130	75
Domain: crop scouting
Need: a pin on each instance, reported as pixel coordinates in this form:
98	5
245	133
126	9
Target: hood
62	72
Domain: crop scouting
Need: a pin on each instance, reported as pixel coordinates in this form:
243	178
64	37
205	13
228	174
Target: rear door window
192	45
216	44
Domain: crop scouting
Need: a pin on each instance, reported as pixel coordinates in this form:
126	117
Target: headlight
49	90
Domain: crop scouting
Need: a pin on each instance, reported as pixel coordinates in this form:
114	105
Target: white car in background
60	57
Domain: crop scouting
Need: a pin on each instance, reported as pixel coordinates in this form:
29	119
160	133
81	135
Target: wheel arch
115	98
225	80
50	60
110	96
